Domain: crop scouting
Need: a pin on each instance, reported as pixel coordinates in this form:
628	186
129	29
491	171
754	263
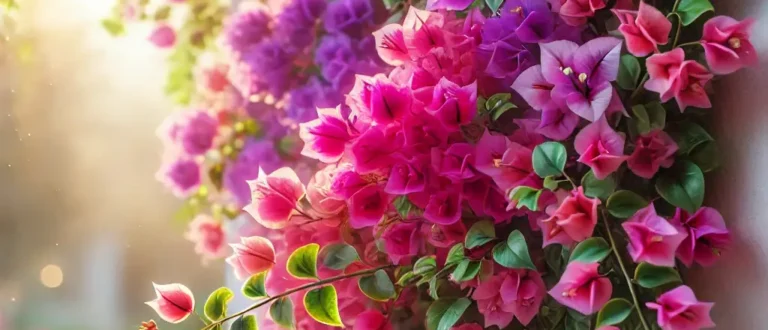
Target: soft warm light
51	276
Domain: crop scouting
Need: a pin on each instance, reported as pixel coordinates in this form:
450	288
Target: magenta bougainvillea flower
251	256
726	44
163	36
576	12
673	76
326	137
491	304
403	240
707	236
582	288
367	206
643	29
524	290
371	319
678	309
174	302
573	221
600	147
208	236
274	197
652	151
652	239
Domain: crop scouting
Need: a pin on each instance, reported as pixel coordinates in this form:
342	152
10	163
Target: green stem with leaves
625	273
294	290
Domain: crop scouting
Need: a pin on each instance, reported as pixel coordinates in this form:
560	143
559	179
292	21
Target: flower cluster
518	167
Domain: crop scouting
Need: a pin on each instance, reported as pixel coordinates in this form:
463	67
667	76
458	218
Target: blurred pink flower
163	36
208	236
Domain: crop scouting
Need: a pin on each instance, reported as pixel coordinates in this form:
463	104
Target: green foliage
525	196
706	156
403	206
466	270
378	286
624	203
690	10
323	306
549	159
629	72
614	312
682	186
514	252
479	234
215	307
303	262
254	287
281	312
595	188
444	313
498	104
114	26
425	265
247	322
649	117
688	136
338	256
455	254
593	249
650	276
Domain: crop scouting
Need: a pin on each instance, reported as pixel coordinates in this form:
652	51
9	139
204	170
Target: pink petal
174	302
390	43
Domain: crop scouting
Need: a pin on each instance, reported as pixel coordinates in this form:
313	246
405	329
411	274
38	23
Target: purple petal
555	56
599	59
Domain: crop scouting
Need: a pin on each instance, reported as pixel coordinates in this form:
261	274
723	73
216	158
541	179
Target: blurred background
84	226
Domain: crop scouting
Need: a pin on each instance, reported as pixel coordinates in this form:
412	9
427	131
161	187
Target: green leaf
480	233
614	312
595	188
624	203
690	10
549	159
323	306
425	265
162	13
629	72
657	115
642	122
514	252
525	196
455	255
466	270
682	186
551	183
706	156
405	278
688	136
216	306
303	262
254	287
442	314
593	249
115	27
494	5
576	321
247	322
403	206
338	256
650	276
434	285
378	286
281	312
500	110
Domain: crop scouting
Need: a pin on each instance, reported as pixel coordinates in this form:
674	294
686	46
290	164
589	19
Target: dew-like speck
9	165
29	134
13	299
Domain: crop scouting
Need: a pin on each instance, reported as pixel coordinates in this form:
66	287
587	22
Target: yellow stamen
568	71
497	162
716	252
517	10
735	43
657	239
582	77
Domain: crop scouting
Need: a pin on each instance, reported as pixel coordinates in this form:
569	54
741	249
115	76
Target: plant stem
573	184
294	290
688	44
639	88
626	274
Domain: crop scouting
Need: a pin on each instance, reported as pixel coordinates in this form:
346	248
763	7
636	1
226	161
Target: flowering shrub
521	166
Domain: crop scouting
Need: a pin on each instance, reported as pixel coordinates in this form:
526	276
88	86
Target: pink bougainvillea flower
371	319
422	31
573	221
174	302
508	163
453	105
608	327
576	12
456	162
367	206
403	240
444	207
326	137
524	290
208	236
320	195
251	256
652	239
652	151
678	309
582	75
487	199
406	178
456	5
532	86
557	123
390	43
707	236
643	29
374	150
600	147
274	197
380	99
163	36
582	288
347	182
490	303
149	325
672	76
446	236
726	44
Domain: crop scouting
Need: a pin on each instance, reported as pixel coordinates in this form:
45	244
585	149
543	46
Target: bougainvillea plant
525	164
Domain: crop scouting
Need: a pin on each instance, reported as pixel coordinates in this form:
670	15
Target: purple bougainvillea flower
326	137
643	29
678	309
246	28
576	12
198	133
255	155
651	238
672	76
600	147
174	302
532	20
351	17
534	88
274	197
726	44
557	123
652	151
183	176
582	75
582	288
457	5
707	236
